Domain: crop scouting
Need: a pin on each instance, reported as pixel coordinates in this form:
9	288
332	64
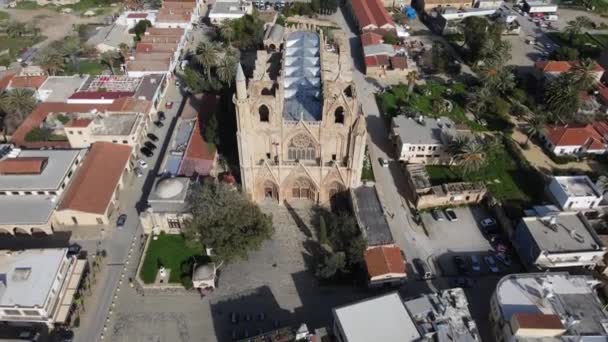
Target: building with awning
39	285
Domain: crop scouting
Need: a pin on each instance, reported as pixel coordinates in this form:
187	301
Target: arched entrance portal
20	231
267	190
303	188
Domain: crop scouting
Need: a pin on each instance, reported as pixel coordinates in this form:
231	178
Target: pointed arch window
301	147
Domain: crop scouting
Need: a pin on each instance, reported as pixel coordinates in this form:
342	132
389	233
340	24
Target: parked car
74	249
462	282
120	223
161	115
505	259
139	172
150	145
169	105
423	269
158	124
475	265
437	215
487	222
152	137
146	152
383	162
461	264
142	163
450	214
491	263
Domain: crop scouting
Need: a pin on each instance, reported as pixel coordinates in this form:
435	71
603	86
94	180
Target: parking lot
464	237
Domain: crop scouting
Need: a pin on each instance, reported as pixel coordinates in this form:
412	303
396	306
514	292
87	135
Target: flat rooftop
302	77
578	186
370	214
26	209
178	145
110	84
116	124
149	86
169	194
28	275
379	319
451	316
568	233
226	8
58	164
429	132
553	294
419	176
60	88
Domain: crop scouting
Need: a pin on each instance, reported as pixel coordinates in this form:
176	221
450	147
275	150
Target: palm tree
576	26
495	53
206	55
477	100
71	47
536	125
227	31
16	104
583	74
109	58
226	69
412	76
561	97
51	61
471	155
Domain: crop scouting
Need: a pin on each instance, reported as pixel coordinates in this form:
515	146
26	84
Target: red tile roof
99	95
579	135
384	260
379	60
370	38
399	62
92	188
371	13
137	15
27	81
5	81
179	15
562	66
22	165
200	157
159	31
538	321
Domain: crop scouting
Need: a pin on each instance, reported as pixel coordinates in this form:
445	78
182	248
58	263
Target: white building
38	285
382	318
229	10
557	240
131	18
422	140
575	192
547	307
31	184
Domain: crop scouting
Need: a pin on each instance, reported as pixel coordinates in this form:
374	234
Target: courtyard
273	288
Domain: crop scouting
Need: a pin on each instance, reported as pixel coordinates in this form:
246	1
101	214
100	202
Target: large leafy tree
343	248
475	30
226	221
109	58
15	105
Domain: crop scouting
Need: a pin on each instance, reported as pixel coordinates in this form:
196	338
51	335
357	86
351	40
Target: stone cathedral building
300	131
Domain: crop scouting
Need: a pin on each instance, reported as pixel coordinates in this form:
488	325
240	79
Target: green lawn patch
170	251
501	175
99	7
89	67
442	174
27	5
16	44
4	16
398	100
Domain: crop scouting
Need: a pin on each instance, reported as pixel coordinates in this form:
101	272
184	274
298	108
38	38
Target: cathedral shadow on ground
248	314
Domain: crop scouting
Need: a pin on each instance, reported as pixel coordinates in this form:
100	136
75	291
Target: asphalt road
119	243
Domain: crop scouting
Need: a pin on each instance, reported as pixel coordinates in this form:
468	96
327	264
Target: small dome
169	187
204	272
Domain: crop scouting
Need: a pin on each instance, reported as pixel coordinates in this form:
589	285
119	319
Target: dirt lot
53	25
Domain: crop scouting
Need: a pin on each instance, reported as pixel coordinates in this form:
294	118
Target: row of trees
60	54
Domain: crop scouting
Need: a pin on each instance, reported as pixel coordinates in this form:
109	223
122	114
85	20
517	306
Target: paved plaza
272	288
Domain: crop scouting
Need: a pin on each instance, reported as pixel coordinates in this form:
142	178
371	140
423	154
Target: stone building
300	131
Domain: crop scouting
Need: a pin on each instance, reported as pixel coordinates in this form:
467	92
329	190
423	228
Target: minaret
241	83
